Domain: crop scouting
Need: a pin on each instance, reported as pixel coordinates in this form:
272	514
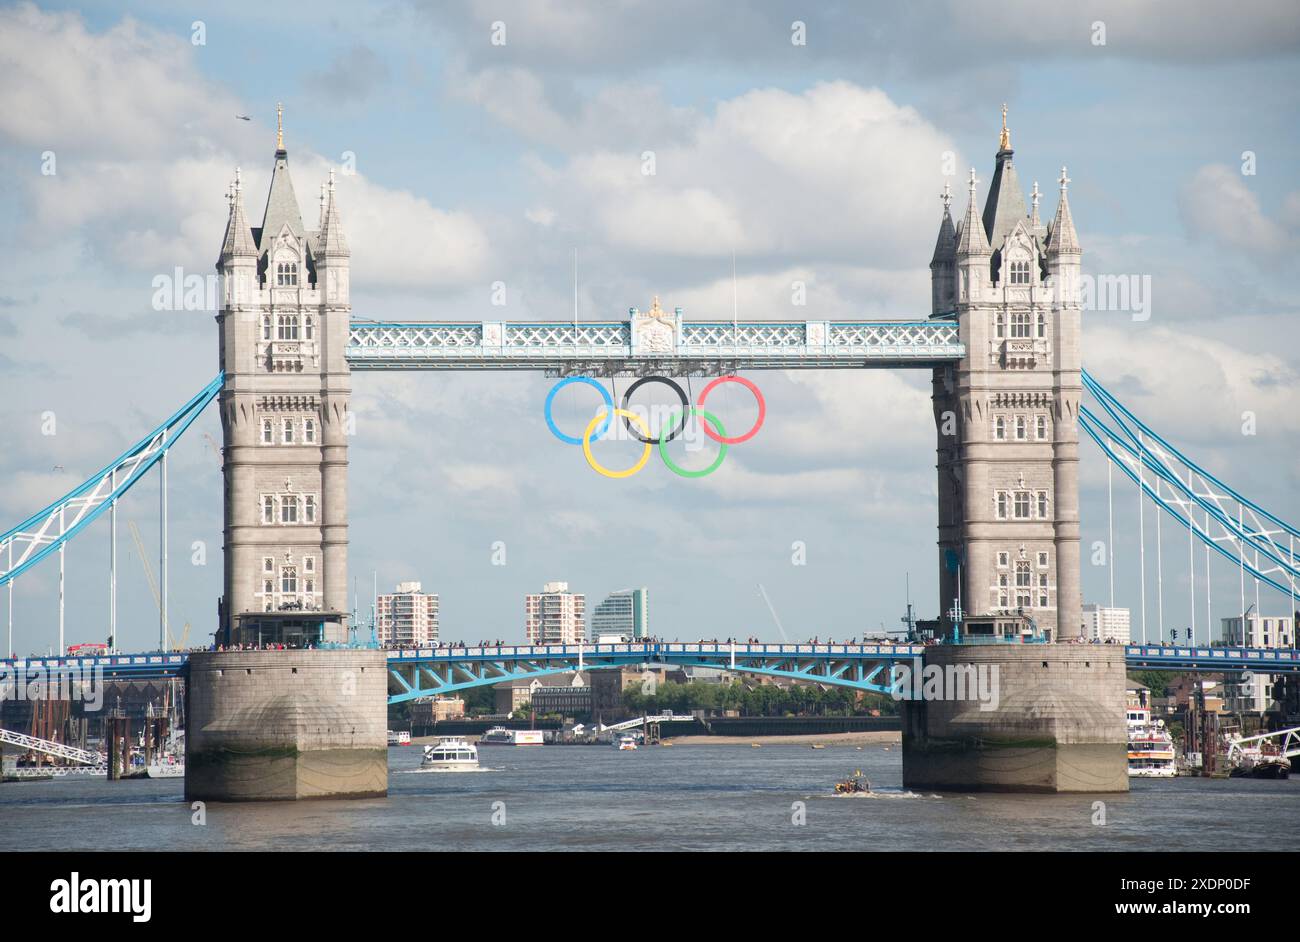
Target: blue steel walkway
429	672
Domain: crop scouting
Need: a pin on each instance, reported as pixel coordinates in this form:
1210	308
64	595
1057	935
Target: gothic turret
1062	239
1063	249
237	264
943	262
331	241
972	257
239	239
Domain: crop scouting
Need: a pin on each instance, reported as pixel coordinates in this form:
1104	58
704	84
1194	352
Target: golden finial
279	125
1005	142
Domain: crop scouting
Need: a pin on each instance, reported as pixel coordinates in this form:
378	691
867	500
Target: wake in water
877	794
443	771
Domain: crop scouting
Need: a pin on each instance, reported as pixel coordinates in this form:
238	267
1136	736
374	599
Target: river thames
686	798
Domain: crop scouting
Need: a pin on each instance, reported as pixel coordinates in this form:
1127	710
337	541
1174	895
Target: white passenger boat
396	738
1150	747
625	743
451	755
500	736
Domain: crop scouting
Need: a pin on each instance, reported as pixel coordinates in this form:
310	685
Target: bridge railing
651	650
1181	652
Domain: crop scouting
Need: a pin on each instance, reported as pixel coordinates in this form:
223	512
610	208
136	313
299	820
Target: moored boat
1150	747
500	736
1255	762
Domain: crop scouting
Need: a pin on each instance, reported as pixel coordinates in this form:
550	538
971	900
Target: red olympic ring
762	410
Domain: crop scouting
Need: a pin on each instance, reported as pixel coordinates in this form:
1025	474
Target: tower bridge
1001	342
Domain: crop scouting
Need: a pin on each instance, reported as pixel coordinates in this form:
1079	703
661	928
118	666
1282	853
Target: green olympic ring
663	440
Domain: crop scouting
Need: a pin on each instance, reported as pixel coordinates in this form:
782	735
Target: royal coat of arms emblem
655	330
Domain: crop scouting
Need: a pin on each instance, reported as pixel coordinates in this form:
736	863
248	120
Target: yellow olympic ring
596	465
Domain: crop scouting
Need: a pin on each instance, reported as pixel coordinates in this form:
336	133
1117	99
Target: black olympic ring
681	394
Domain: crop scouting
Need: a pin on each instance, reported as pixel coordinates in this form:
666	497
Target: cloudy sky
479	162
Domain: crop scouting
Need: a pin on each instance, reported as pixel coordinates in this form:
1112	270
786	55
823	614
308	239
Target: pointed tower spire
971	239
1005	205
942	264
239	239
281	202
332	241
1033	216
1063	239
945	246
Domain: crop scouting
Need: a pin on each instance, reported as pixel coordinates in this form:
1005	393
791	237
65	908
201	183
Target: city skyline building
625	612
407	616
1104	623
555	615
1253	693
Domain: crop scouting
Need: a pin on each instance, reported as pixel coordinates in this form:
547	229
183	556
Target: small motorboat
856	784
451	755
625	743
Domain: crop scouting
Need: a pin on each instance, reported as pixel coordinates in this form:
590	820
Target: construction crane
216	449
771	608
153	583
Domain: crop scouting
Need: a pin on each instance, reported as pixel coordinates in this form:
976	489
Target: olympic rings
640	430
762	410
550	400
681	394
596	465
717	462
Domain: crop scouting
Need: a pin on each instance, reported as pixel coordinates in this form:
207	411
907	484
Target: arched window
289	580
309	327
309	431
1020	272
286	327
1020	324
266	326
267	436
289	509
268	509
1042	427
1042	325
286	433
1000	326
1020	428
286	274
999	428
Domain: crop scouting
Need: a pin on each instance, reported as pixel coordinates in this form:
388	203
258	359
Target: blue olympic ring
604	394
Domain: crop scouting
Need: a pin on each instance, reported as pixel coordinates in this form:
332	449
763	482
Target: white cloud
141	170
1217	205
770	172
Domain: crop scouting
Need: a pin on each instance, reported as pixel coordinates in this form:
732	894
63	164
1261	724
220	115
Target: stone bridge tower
283	326
1006	414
